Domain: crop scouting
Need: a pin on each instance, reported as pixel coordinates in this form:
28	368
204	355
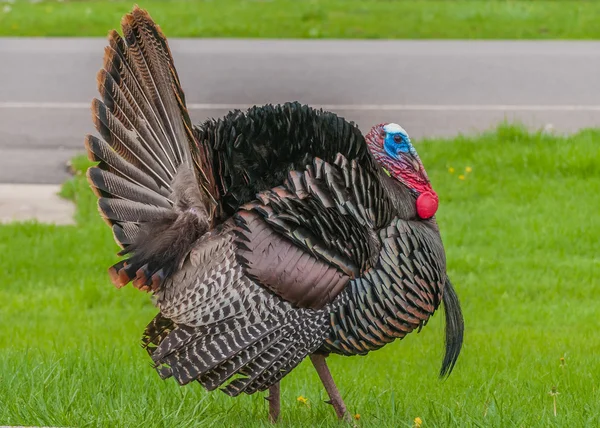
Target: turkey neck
403	200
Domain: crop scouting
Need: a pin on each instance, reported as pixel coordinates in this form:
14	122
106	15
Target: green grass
401	19
521	233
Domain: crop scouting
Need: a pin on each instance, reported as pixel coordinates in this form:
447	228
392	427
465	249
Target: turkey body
265	236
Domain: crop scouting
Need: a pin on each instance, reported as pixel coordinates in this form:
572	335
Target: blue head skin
397	141
390	145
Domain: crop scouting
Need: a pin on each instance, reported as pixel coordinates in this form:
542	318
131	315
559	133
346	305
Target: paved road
432	88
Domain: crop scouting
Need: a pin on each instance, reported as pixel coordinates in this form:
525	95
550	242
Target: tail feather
129	65
149	157
126	143
152	64
126	233
124	95
100	151
110	184
454	329
129	211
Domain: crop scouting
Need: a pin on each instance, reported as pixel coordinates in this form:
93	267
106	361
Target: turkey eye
397	138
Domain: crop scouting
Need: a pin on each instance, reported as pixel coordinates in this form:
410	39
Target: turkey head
391	147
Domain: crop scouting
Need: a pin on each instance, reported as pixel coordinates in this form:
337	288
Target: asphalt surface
432	88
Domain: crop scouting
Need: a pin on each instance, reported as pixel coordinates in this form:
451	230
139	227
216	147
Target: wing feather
307	241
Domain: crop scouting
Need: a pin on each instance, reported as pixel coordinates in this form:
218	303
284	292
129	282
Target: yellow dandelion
461	177
357	416
468	169
418	422
302	400
451	170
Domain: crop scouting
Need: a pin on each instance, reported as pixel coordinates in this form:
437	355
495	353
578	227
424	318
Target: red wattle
427	205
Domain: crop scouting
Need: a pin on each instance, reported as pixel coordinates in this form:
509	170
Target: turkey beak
415	163
411	160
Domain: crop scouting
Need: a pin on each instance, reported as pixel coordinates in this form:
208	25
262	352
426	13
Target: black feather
455	327
276	140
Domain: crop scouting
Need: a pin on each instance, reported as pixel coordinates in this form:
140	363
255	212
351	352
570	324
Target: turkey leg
274	400
335	398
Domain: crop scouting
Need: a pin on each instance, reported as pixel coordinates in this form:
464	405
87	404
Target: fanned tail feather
154	180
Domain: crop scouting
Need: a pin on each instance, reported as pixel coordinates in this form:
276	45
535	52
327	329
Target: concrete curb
34	202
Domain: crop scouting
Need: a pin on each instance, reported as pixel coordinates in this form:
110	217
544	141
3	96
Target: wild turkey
265	236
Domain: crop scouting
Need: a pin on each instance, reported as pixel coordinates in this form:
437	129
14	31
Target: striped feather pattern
227	325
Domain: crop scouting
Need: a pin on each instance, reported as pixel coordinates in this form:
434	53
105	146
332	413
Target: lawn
522	235
408	19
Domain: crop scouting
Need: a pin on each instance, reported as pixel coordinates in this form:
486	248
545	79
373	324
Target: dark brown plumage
265	236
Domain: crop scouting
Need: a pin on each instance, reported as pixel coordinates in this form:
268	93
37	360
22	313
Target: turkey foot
274	400
335	398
